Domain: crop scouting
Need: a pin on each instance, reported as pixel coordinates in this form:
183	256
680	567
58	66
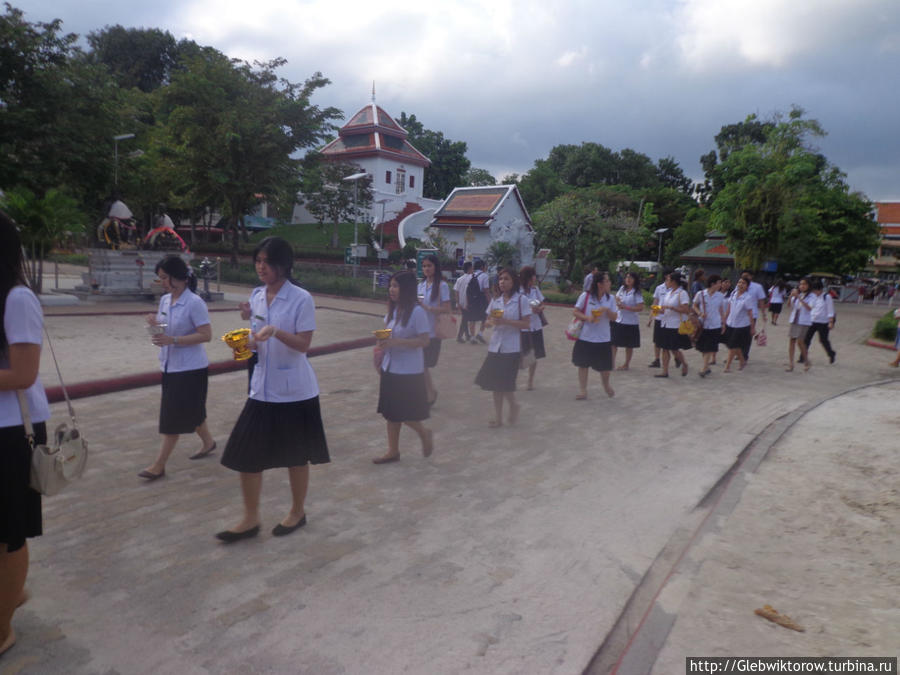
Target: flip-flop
204	453
386	459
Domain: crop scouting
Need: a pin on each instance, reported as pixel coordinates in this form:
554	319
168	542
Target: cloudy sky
513	78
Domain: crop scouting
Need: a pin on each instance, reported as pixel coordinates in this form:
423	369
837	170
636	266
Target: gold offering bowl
497	313
382	333
655	310
239	341
596	312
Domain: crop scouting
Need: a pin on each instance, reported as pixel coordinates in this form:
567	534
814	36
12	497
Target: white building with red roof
374	141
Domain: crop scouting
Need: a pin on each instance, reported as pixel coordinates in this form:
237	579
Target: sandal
661	375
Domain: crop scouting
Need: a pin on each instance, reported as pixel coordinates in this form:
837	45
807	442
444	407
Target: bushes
886	328
313	281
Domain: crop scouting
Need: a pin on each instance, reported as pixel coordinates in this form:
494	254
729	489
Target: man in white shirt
589	278
658	293
822	319
460	289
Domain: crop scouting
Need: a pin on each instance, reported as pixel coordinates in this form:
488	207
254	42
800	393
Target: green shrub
314	282
886	328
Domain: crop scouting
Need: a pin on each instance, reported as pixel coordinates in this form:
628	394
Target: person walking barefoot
593	349
625	331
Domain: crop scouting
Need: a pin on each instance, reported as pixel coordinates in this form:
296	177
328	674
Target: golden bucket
239	341
382	333
596	312
497	313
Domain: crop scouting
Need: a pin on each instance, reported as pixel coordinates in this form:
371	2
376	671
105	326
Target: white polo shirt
599	331
674	298
799	314
182	318
406	360
822	309
776	296
711	307
758	293
282	374
506	339
534	293
738	306
631	298
658	294
23	322
460	287
443	296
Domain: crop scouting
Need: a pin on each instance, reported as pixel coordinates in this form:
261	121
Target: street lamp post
355	178
116	139
660	232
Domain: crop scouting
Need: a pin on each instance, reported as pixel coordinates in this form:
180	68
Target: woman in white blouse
184	322
281	423
434	297
739	322
801	301
509	313
709	304
625	330
401	389
533	336
593	348
20	359
776	299
676	307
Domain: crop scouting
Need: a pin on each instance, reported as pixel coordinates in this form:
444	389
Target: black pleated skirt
272	435
403	398
708	342
182	407
672	340
534	341
499	372
596	355
625	335
20	506
657	333
739	338
432	352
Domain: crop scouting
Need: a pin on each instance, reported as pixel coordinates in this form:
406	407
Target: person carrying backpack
477	299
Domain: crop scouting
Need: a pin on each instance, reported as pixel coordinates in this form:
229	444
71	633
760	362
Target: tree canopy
449	163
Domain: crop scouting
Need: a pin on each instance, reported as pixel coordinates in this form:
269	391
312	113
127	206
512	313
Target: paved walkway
508	551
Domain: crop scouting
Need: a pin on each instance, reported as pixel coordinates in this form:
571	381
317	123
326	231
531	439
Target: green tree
690	233
232	130
136	57
782	196
479	177
45	221
449	163
502	254
541	185
671	175
329	197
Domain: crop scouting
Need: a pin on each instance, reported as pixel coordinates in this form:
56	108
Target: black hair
511	273
637	280
598	278
817	285
176	268
12	267
479	264
406	299
698	275
712	279
279	255
437	278
526	276
675	276
466	267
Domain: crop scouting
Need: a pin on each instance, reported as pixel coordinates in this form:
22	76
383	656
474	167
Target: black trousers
822	330
463	332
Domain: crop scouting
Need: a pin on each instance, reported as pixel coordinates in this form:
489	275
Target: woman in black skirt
402	395
625	330
509	313
593	349
709	306
281	423
676	306
434	298
182	326
741	325
20	359
533	337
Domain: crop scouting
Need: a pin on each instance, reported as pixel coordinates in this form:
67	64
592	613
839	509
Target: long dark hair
511	273
437	278
406	299
526	277
176	268
279	255
598	278
12	267
637	283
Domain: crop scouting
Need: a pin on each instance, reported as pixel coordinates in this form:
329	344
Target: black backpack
474	295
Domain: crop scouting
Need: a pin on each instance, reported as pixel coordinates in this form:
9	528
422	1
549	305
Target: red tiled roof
888	212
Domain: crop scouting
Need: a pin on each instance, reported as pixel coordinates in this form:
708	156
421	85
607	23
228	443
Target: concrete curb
149	379
878	343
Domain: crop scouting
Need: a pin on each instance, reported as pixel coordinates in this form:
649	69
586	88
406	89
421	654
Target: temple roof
713	248
888	212
476	206
371	132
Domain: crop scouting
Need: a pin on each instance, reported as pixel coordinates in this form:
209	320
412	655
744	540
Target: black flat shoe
149	476
281	530
204	453
661	375
654	364
230	537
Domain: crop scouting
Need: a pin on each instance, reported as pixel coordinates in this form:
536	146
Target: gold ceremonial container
497	313
655	309
596	312
239	341
382	333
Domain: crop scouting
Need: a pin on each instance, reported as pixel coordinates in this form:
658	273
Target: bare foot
581	397
727	370
386	459
428	443
622	368
609	390
494	424
789	369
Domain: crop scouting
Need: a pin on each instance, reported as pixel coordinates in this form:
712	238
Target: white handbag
56	464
